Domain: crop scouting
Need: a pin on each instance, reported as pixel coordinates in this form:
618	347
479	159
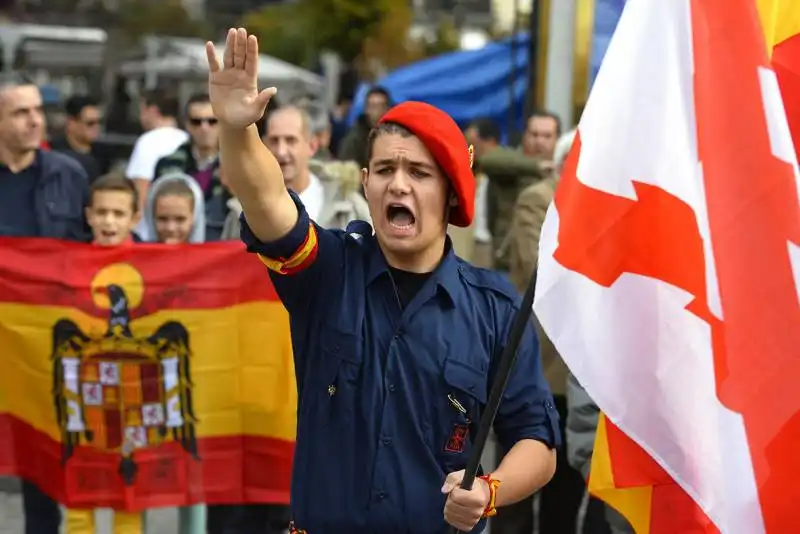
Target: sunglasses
194	121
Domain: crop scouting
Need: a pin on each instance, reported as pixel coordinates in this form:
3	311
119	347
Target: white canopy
174	57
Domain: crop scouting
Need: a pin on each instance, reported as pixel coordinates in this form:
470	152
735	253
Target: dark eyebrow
390	161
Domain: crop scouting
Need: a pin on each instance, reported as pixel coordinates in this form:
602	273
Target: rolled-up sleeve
527	410
298	260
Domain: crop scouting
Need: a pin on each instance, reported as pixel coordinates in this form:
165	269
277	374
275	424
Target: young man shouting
394	337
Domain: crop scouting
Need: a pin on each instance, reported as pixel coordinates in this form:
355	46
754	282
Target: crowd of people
173	190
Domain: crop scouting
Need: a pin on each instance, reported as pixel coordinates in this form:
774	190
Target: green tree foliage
364	34
446	39
344	25
159	17
298	31
281	32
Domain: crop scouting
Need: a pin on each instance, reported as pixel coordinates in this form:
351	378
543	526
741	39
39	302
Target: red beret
443	138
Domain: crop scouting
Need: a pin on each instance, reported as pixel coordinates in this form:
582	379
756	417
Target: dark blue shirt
388	394
17	201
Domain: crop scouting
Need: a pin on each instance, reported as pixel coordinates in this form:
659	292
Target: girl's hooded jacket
198	233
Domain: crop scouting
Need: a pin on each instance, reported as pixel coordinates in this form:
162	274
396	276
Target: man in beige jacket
561	499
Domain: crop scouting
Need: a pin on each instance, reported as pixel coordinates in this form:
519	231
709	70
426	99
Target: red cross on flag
669	274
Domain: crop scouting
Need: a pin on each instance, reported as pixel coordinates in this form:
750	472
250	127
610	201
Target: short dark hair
164	100
487	129
379	90
197	98
385	128
75	105
13	79
546	115
10	80
174	188
115	181
305	120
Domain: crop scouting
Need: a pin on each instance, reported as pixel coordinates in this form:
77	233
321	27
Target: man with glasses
199	158
81	130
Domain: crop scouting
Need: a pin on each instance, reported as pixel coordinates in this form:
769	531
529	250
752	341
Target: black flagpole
509	356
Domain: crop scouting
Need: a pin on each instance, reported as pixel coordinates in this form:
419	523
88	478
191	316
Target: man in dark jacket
80	133
354	144
199	158
42	194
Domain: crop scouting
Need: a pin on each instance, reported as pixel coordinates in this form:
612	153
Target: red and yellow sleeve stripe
302	258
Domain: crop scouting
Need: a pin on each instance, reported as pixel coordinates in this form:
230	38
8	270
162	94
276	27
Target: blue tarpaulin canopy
606	16
466	84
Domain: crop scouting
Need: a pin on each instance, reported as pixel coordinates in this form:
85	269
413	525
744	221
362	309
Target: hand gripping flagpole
507	359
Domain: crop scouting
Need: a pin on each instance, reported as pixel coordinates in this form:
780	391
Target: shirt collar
37	161
446	275
202	164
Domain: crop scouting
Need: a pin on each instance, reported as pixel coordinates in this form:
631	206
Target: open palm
233	87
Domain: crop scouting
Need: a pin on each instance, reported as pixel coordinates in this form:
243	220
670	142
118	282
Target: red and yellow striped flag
781	22
144	376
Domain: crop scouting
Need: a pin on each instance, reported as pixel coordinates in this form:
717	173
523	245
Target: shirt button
386	440
391	388
381	495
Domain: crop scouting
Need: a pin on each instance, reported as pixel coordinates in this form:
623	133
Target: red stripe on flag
673	512
631	466
231	469
58	273
786	64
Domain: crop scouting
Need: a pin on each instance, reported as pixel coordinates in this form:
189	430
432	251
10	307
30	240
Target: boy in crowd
112	213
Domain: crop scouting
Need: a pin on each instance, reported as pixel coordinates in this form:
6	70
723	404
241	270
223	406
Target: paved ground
158	521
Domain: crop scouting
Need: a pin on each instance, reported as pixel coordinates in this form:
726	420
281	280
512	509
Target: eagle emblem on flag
119	392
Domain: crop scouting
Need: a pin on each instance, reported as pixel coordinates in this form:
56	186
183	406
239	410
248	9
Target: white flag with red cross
669	275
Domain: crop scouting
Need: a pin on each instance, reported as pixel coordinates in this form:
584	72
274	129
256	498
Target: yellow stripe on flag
633	503
780	20
242	371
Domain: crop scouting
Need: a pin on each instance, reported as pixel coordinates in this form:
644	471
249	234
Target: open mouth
400	216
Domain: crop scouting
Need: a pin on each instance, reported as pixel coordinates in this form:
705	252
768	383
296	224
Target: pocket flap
342	345
61	210
466	378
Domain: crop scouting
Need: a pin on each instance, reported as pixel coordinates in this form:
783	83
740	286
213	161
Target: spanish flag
668	274
144	376
781	22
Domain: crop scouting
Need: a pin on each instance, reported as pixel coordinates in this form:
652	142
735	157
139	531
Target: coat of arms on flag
118	392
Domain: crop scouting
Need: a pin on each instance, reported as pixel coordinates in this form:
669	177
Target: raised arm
252	172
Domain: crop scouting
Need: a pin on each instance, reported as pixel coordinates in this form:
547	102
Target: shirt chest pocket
62	221
339	372
460	410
